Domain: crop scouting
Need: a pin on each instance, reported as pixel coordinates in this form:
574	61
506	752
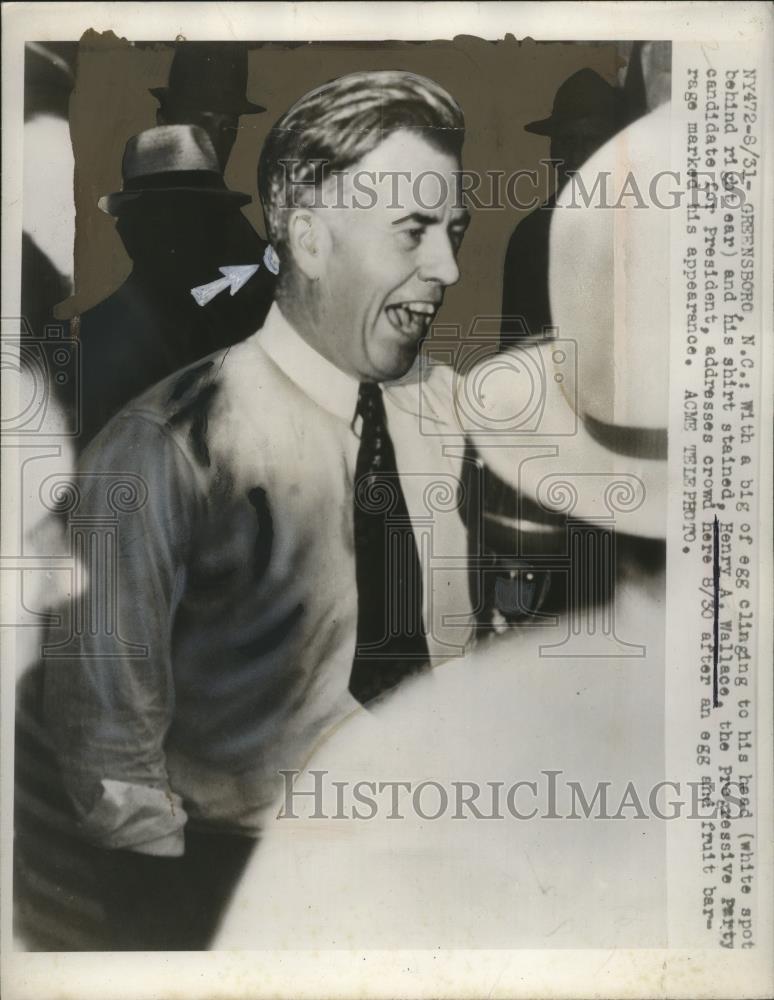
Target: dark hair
335	125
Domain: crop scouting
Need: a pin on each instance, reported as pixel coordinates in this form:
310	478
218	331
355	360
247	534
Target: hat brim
545	126
243	107
112	204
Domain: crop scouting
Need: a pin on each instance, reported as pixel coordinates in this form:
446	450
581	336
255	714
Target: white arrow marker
234	277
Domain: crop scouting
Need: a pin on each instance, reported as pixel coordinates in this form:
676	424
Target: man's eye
456	236
412	237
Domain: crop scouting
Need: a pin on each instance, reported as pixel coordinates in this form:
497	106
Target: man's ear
308	239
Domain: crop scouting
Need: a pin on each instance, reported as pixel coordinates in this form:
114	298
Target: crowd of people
303	542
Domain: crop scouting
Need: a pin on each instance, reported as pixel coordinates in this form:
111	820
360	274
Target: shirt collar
321	380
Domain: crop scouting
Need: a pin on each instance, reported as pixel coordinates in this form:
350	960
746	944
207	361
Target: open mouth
412	319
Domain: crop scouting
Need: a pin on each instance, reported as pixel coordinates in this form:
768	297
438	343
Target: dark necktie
391	642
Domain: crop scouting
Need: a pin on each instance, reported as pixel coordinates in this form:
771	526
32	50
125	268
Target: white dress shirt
237	577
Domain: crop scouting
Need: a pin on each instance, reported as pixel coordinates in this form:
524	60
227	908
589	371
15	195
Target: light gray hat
169	158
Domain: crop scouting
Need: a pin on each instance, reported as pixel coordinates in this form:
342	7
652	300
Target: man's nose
440	262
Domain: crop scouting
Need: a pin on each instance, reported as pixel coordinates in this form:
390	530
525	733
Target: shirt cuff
138	818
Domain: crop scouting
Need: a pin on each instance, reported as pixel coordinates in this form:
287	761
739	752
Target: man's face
185	235
388	263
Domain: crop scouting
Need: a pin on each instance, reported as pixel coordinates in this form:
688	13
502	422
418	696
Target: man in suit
289	534
207	87
180	225
587	111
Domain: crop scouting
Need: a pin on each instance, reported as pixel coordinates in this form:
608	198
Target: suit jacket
149	328
526	309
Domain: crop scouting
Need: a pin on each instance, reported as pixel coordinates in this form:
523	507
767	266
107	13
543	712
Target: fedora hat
583	95
208	77
169	158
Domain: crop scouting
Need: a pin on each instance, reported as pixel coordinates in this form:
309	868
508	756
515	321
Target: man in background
183	230
587	112
181	225
207	87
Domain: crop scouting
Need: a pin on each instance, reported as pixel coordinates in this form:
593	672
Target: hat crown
216	69
585	95
168	149
207	76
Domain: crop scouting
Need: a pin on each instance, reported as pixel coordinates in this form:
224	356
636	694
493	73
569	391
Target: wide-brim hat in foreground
583	96
596	393
208	76
171	159
609	293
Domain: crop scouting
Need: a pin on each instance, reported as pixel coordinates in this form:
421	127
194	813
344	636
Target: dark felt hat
583	95
169	158
208	76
